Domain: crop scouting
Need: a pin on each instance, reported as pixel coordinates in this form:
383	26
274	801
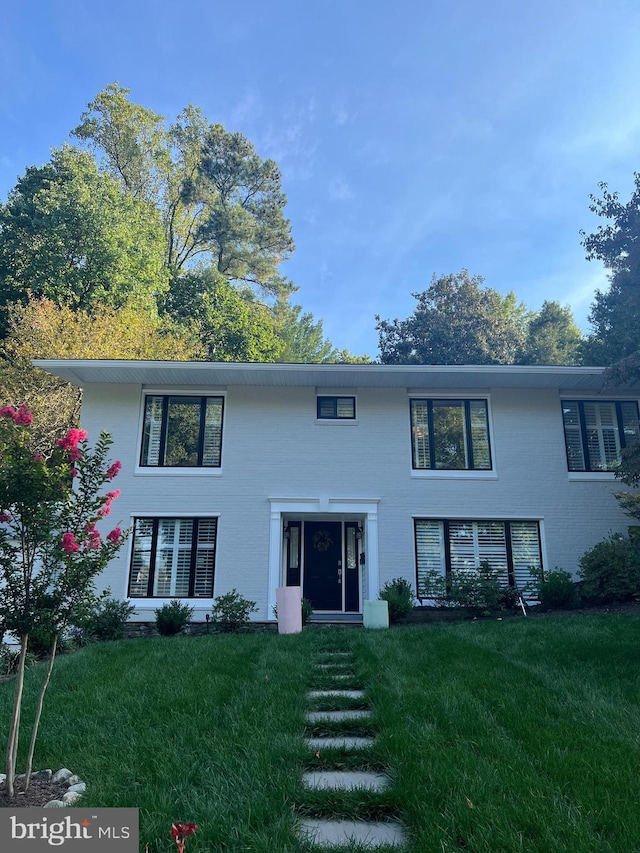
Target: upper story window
332	408
596	432
450	435
182	432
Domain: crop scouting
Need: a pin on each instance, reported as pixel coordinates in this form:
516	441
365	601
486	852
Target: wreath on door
322	541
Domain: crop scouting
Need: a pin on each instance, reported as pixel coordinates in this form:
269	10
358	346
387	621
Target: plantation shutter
629	413
141	559
205	557
573	436
525	550
480	434
603	439
173	557
420	433
430	555
473	542
152	431
212	443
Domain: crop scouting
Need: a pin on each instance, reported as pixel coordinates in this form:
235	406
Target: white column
275	560
371	556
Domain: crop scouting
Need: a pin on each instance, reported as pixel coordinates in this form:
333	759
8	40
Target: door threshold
338	617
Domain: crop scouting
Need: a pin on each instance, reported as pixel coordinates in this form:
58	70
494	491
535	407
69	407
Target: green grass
521	735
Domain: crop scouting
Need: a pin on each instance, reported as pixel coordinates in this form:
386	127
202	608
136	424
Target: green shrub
479	590
433	585
610	571
107	619
231	611
399	594
555	589
9	658
171	618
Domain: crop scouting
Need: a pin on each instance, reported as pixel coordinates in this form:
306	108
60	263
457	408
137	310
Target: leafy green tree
42	329
68	233
231	324
50	547
615	313
552	337
456	321
218	200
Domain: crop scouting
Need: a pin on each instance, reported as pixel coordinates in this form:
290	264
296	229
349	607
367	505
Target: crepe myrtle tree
50	547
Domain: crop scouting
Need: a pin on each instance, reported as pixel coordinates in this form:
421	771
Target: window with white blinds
335	408
182	432
596	432
450	435
510	547
173	558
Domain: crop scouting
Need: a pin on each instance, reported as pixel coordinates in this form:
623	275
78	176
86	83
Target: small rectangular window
450	435
182	432
336	408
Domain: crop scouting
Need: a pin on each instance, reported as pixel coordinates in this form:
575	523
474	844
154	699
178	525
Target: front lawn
522	735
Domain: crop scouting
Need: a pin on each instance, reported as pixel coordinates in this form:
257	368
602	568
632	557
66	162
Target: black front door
323	564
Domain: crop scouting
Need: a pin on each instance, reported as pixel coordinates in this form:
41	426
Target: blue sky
414	136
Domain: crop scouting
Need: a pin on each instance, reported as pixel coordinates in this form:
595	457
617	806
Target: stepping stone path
326	833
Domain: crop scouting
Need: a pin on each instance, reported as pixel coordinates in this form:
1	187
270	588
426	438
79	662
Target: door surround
326	507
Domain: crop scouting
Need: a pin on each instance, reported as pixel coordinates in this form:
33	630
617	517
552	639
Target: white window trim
332	393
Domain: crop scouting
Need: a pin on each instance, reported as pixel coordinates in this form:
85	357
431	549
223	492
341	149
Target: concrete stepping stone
337	694
345	742
345	780
329	833
327	716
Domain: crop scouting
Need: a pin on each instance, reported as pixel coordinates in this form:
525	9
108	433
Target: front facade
339	478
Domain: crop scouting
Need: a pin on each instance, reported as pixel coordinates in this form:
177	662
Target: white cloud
339	190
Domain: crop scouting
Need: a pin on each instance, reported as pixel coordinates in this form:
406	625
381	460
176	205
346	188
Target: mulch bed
39	793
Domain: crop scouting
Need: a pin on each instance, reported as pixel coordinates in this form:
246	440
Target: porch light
286	532
359	533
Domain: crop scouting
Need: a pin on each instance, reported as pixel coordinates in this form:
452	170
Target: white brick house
341	477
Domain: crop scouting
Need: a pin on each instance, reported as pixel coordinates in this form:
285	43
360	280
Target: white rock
78	788
55	804
3	776
61	775
43	774
72	780
71	797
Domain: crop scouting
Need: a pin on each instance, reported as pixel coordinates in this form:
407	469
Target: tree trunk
14	729
36	722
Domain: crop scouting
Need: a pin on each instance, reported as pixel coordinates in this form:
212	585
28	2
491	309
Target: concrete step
327	716
335	694
329	833
344	742
345	780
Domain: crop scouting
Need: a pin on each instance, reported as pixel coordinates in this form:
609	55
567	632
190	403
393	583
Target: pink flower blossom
69	544
113	495
21	416
114	536
72	439
74	454
4	516
93	539
74	472
114	470
104	511
38	457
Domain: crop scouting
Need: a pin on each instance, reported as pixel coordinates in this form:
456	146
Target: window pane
183	431
326	407
449	435
629	413
212	432
141	558
152	431
573	436
429	551
205	558
345	407
603	440
352	552
420	434
480	434
525	548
